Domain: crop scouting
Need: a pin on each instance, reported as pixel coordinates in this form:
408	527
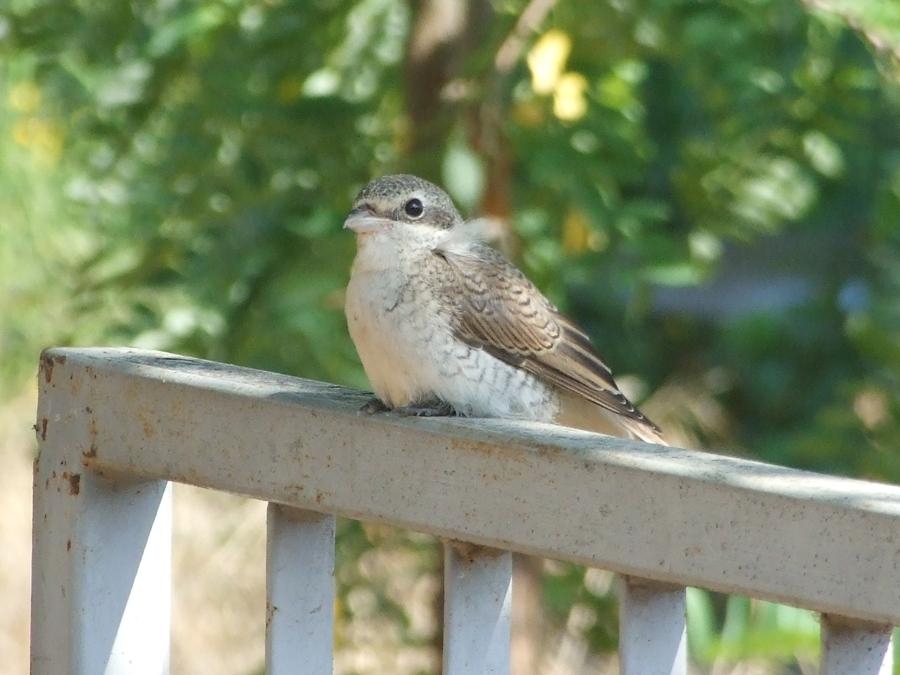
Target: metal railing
116	425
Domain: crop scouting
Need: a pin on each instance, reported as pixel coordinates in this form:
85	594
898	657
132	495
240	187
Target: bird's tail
643	430
580	413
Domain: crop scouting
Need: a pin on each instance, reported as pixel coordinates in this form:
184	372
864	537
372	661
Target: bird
444	324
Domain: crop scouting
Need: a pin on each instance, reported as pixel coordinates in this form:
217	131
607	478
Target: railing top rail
671	515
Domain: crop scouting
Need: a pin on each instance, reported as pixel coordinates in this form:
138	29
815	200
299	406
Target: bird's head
401	200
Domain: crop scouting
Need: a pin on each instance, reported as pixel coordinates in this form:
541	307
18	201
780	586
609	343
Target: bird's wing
496	308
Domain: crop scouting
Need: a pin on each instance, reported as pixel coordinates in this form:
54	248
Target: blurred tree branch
877	21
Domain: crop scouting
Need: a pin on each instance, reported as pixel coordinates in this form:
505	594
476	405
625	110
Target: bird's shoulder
496	304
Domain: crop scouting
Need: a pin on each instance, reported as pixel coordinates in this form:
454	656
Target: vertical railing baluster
101	570
299	592
855	648
652	635
477	599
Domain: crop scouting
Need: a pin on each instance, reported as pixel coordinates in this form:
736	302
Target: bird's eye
413	208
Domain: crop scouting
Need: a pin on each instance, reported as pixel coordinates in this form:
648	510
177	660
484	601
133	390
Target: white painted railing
116	425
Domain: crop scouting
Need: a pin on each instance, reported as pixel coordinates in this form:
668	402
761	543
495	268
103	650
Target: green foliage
746	629
712	189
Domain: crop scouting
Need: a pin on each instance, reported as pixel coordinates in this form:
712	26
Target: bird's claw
373	406
441	409
435	409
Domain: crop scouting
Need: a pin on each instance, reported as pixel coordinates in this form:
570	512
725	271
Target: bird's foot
427	409
374	406
437	409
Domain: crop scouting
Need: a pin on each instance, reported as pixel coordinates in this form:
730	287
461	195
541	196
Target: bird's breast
393	333
401	325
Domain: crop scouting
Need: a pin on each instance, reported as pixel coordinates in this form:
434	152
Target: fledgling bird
444	324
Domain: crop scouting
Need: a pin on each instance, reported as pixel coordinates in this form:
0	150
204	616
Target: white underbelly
377	331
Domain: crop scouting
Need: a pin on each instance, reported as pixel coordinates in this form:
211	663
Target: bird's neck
393	247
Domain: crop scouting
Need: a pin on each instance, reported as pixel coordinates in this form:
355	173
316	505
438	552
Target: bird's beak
362	220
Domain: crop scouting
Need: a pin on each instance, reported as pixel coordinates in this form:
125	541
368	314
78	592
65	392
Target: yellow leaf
576	232
43	139
569	100
547	59
25	97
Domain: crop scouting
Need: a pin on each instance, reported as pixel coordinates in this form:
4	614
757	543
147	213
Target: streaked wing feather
499	310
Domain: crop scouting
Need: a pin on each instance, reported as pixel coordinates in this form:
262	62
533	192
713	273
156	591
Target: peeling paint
88	455
47	368
91	452
470	552
47	362
74	483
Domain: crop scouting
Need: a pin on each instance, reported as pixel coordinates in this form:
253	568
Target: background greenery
711	188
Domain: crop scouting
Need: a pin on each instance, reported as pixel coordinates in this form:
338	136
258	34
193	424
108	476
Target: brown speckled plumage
499	310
